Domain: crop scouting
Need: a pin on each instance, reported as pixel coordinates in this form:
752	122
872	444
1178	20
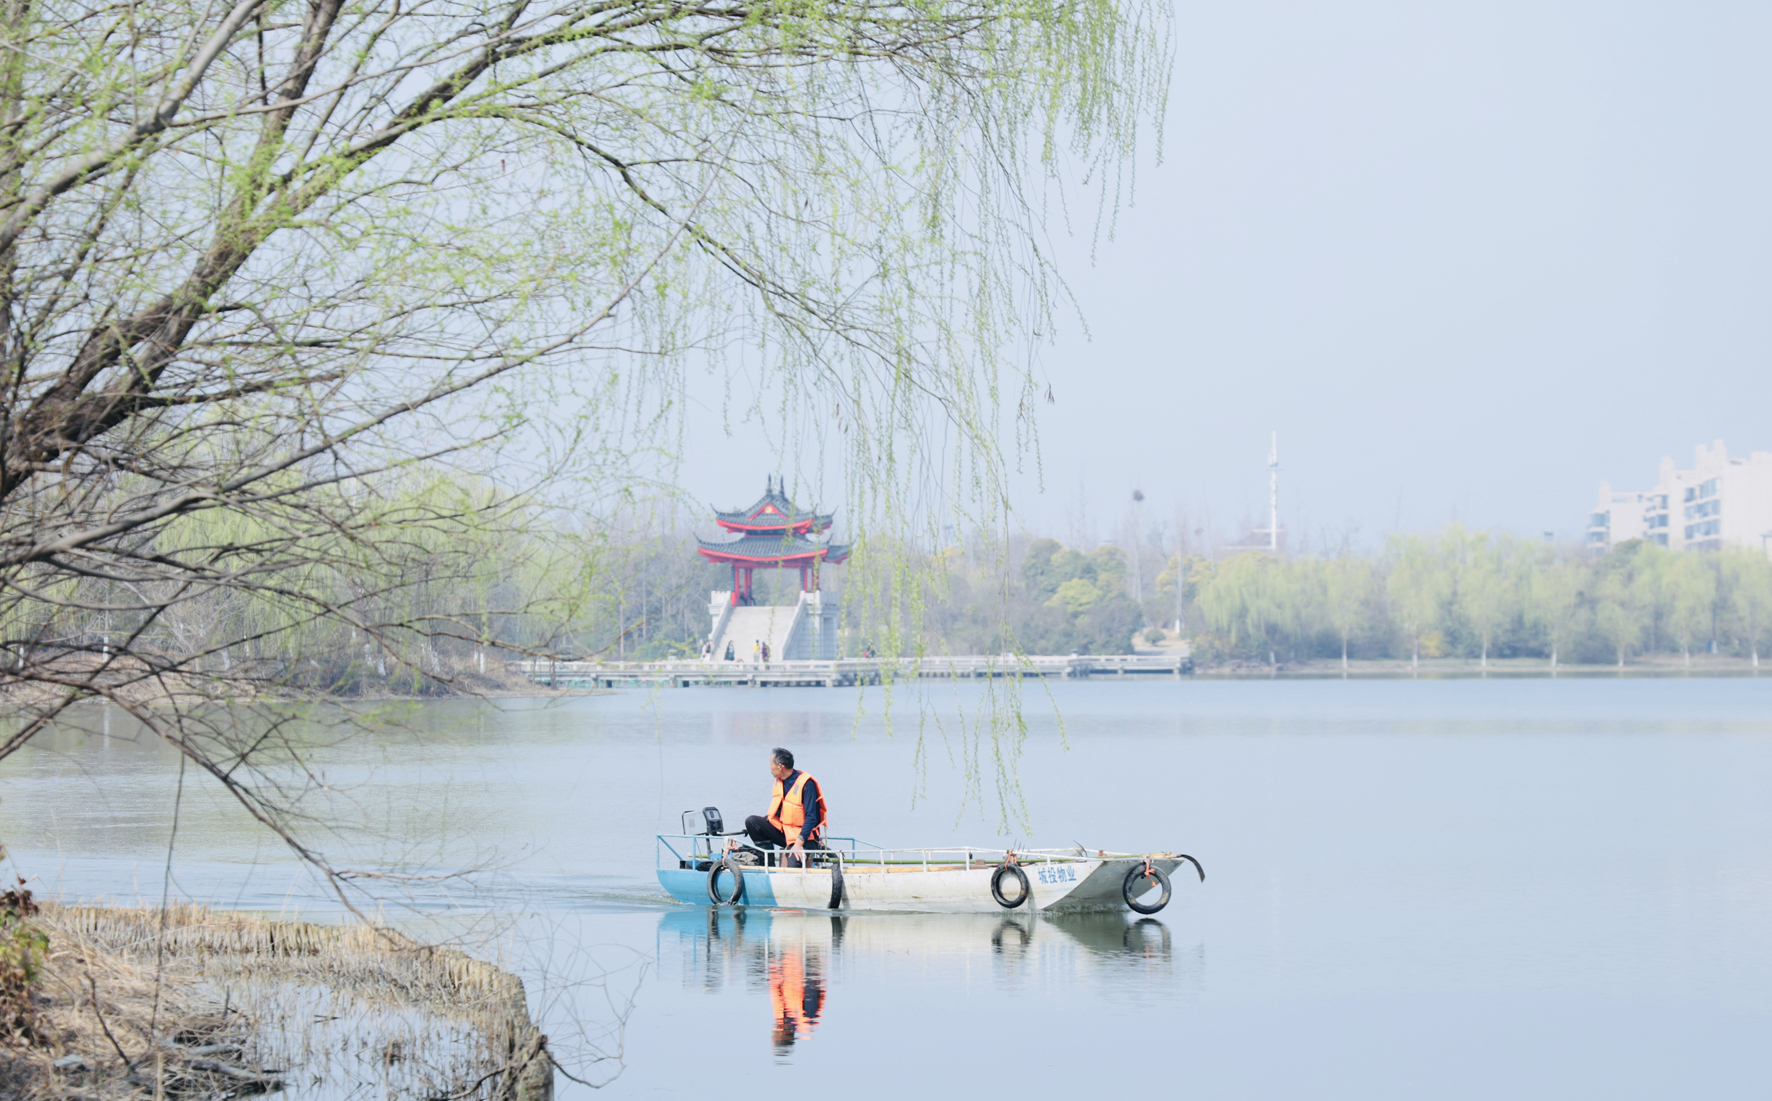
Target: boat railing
693	848
968	857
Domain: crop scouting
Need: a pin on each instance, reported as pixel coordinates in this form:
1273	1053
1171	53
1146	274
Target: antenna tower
1273	494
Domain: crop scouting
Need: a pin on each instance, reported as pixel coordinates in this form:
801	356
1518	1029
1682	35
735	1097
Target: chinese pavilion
773	535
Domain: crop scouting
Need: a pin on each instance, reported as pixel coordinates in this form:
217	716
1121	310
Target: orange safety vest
787	812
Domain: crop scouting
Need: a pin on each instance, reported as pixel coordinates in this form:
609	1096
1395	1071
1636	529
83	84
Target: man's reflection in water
796	994
794	955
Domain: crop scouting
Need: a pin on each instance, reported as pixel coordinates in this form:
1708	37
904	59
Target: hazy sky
1467	258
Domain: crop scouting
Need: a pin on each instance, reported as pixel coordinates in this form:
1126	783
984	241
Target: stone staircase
745	626
804	631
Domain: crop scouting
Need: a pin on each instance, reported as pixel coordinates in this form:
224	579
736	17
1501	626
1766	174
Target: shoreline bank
193	1003
1675	667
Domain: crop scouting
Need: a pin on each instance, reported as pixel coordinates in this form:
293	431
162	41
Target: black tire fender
714	871
1012	869
1153	874
836	881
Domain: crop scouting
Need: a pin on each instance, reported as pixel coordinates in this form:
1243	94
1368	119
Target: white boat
708	868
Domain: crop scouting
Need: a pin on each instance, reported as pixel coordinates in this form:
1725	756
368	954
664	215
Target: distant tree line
1040	598
1475	594
476	578
476	589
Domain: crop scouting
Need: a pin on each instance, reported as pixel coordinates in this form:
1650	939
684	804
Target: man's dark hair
784	758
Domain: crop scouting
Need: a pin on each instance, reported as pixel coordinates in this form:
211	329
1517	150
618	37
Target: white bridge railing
688	672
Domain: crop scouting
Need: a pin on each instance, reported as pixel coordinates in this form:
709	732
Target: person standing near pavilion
797	814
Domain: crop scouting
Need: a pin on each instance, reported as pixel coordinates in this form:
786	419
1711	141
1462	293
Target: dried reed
192	1003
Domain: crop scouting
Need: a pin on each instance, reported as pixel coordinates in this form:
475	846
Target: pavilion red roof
773	512
785	550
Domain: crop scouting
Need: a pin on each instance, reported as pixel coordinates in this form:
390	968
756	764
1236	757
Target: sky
1467	259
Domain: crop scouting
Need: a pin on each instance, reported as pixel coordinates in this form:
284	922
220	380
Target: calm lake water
1414	889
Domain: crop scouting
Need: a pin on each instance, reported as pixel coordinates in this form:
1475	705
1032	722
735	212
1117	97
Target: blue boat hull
692	887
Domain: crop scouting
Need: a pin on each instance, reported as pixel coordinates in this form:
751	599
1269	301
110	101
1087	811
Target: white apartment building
1618	516
1719	501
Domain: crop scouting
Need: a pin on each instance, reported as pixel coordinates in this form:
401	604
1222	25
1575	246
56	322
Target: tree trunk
1553	655
1485	662
1344	653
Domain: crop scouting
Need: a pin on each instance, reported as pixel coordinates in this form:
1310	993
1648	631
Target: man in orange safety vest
797	813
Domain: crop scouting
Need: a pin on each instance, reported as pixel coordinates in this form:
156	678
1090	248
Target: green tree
1626	592
1306	603
1246	598
1350	590
1690	585
1416	587
1747	584
1555	594
1187	571
1488	594
1075	596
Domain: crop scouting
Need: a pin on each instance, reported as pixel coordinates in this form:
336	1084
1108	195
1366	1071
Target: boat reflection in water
799	956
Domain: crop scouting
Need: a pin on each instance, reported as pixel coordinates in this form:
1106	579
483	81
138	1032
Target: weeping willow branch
316	317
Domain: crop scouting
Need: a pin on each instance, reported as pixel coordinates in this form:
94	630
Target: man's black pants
765	835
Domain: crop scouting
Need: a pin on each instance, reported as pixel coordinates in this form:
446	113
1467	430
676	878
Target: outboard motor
708	823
